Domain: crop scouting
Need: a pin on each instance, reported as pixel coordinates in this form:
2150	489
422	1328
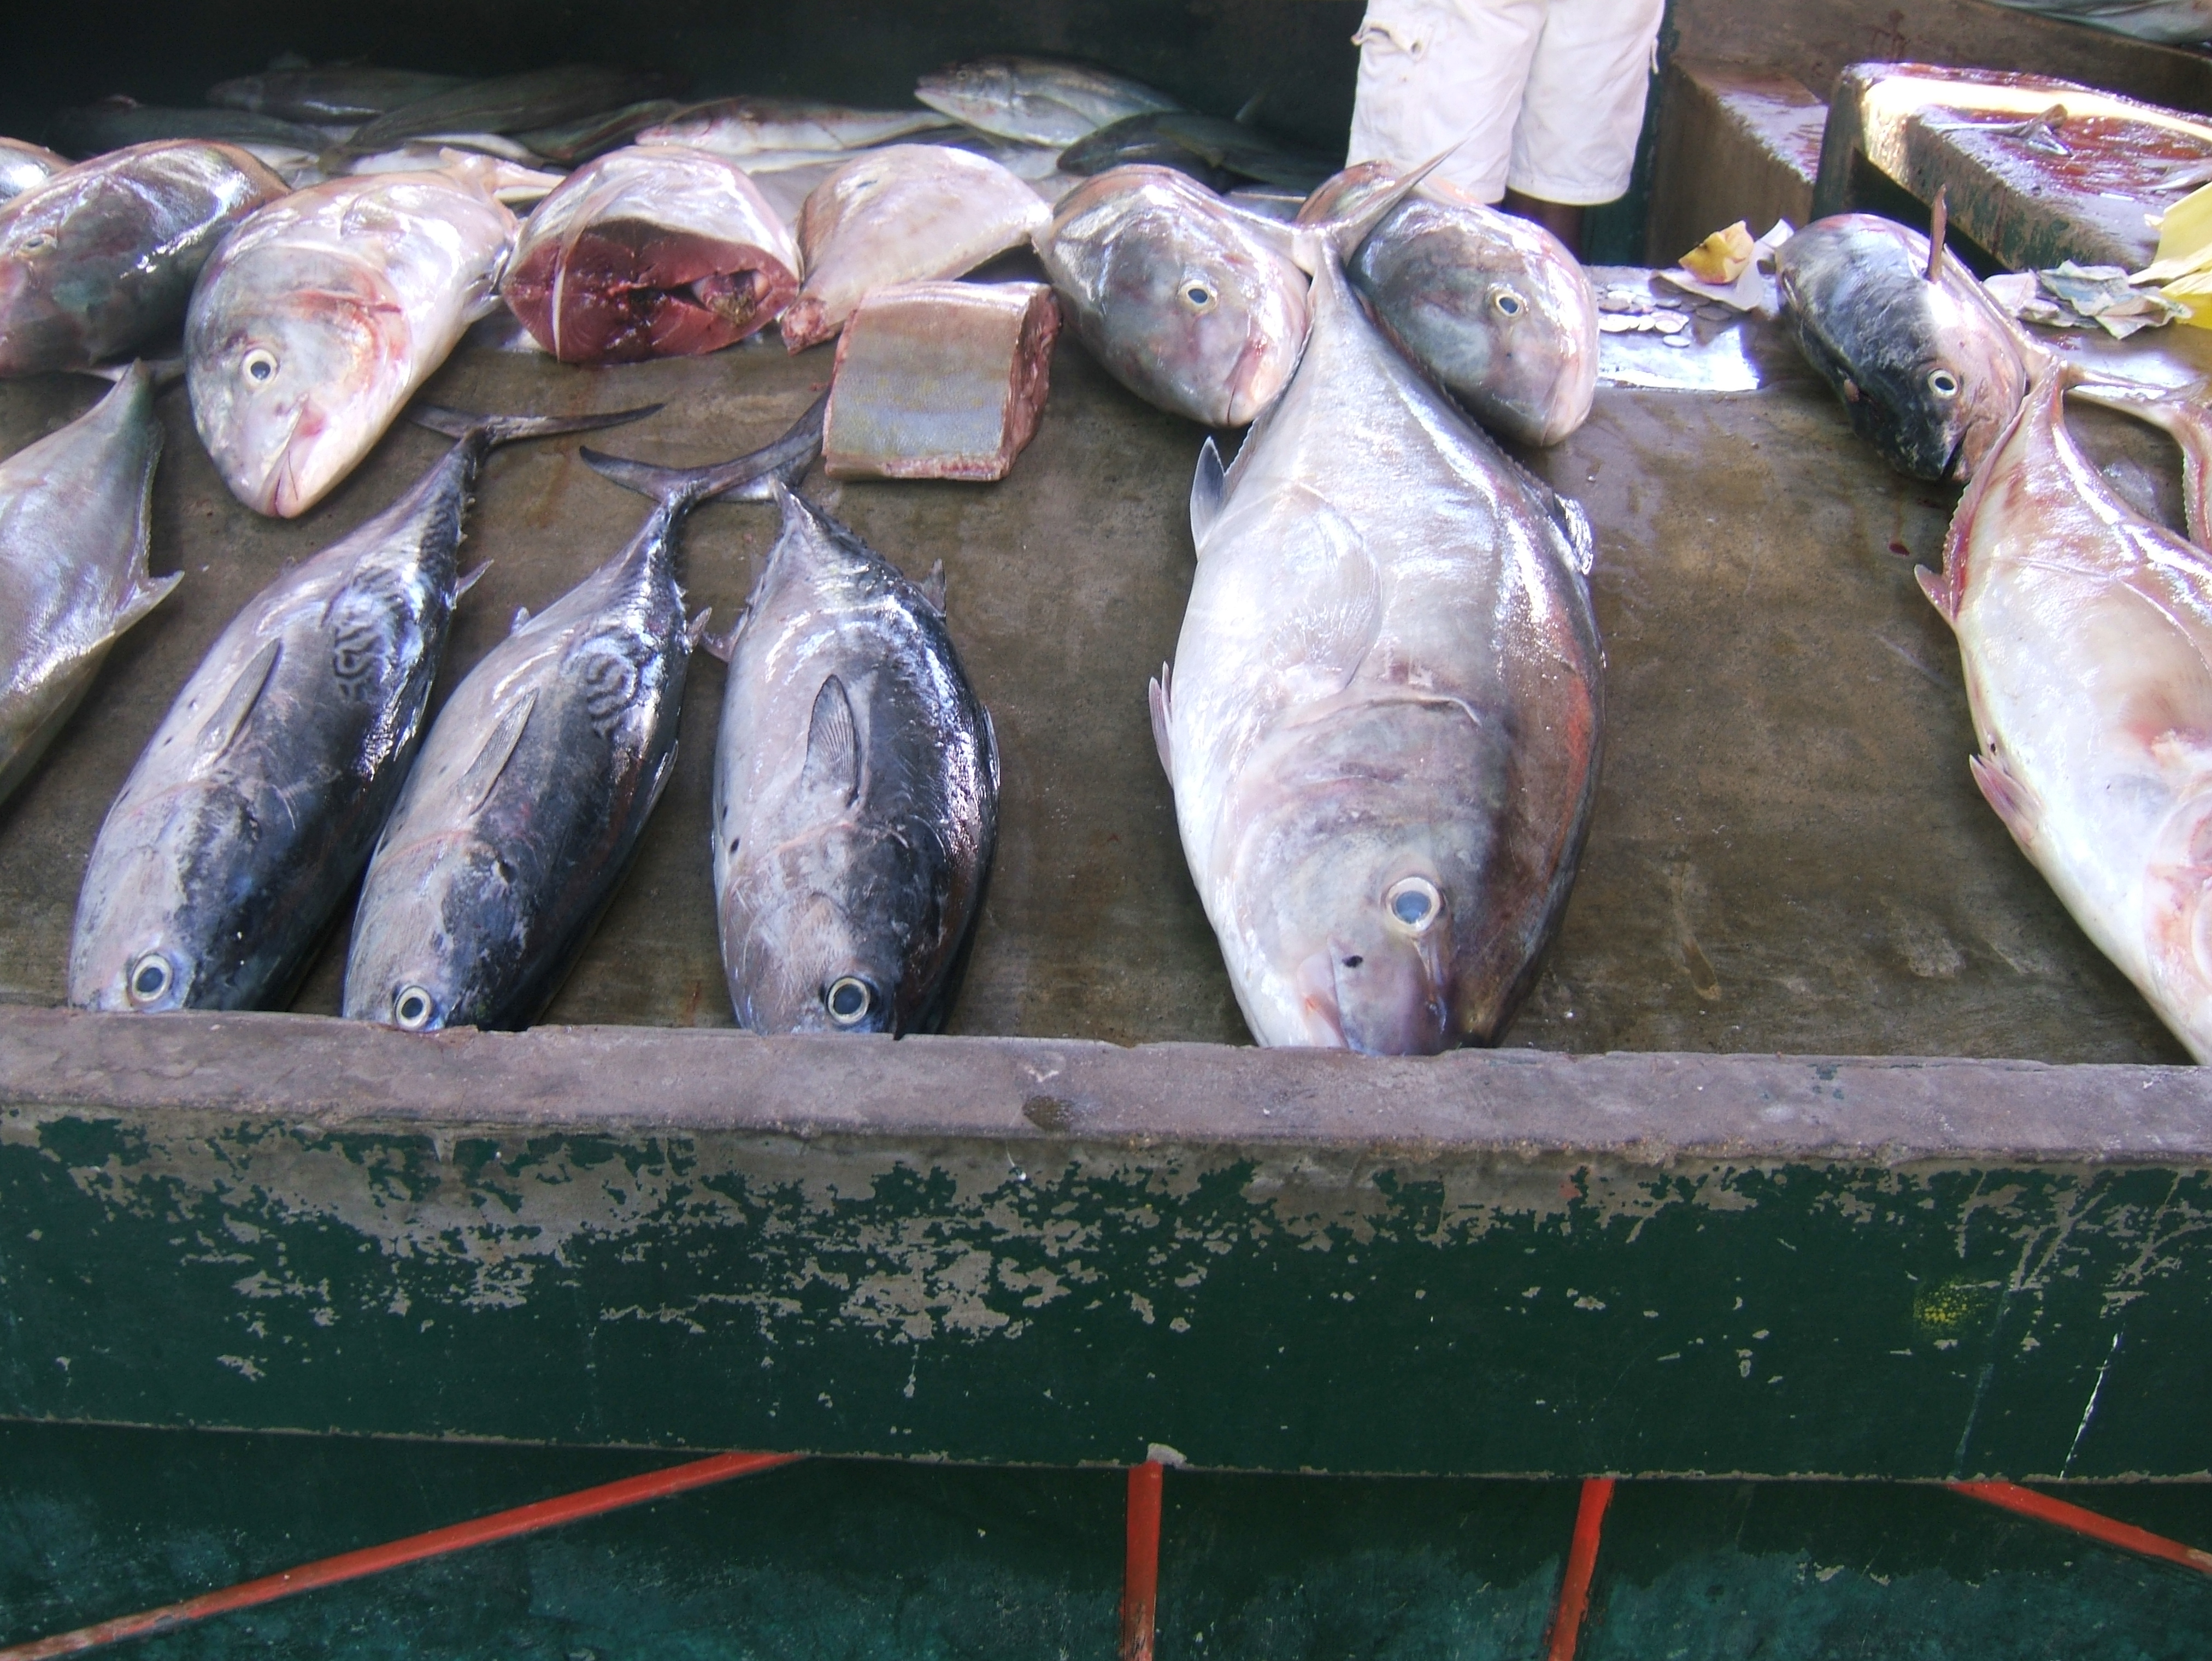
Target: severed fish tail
749	477
491	431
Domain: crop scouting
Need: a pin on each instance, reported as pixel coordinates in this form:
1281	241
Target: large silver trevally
1382	724
315	323
242	827
511	103
1039	100
1929	367
856	792
24	167
1491	305
537	777
100	259
1189	304
72	572
755	125
2085	630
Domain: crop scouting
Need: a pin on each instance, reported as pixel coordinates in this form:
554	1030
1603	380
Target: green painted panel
1269	1309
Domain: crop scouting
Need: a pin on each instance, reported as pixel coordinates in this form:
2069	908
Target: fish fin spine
833	745
470	578
1936	586
933	588
1208	487
1156	691
2012	800
695	630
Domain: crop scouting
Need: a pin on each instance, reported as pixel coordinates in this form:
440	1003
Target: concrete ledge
1735	143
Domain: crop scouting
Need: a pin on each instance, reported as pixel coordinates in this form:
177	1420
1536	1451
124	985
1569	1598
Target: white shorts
1548	94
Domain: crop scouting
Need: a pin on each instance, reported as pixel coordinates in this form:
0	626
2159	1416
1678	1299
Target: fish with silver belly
2085	630
24	167
1213	151
1383	717
317	321
535	780
1928	366
100	259
755	125
856	792
1494	307
73	572
96	130
1039	100
242	827
334	93
512	104
655	251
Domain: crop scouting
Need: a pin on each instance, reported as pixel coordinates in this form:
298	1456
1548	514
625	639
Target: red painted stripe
1141	1571
1581	1564
2098	1526
375	1559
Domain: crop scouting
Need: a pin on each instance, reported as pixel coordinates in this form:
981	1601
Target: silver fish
94	130
903	214
337	92
1492	306
1210	149
1190	305
537	779
72	572
511	103
754	124
1039	100
856	793
24	166
100	259
2084	631
1383	718
242	827
316	322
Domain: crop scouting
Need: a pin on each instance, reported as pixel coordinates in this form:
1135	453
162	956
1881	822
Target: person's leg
1574	145
1434	73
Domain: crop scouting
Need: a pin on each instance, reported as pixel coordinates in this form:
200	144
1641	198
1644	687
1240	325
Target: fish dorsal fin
1252	106
1163	711
933	588
1208	487
476	784
221	729
833	747
1939	221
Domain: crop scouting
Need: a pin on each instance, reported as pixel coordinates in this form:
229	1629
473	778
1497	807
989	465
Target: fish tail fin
492	431
161	371
1345	232
2184	415
752	477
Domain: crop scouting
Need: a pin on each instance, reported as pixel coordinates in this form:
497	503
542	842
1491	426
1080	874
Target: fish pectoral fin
2015	802
661	775
933	588
1207	488
1157	691
1938	591
832	746
476	784
228	718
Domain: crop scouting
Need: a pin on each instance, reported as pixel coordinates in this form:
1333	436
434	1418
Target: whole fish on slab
512	103
24	167
2085	630
1210	149
1191	304
1039	100
312	327
1383	717
574	142
1491	305
72	572
240	832
94	130
755	125
537	779
856	792
1929	367
903	214
654	250
334	93
100	259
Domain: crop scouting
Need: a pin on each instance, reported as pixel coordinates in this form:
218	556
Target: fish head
2177	921
1358	900
45	249
145	942
809	943
1928	371
1188	310
979	93
1495	307
443	929
291	384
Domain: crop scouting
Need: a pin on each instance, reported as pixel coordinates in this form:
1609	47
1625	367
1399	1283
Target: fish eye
38	242
1198	296
1508	303
1414	902
1943	384
412	1008
260	364
151	977
848	1000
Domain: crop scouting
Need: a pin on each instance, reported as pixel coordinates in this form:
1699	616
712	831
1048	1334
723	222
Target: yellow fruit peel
1724	256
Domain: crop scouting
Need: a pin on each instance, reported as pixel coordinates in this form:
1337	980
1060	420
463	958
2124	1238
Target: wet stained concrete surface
1787	853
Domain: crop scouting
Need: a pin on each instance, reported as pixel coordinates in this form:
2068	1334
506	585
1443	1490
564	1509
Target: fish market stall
1818	1102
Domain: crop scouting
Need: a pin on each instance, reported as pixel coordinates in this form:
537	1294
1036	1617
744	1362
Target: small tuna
1039	100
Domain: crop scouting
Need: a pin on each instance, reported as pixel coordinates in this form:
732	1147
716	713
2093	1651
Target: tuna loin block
940	380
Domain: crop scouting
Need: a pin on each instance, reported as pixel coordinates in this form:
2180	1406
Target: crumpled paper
2071	296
